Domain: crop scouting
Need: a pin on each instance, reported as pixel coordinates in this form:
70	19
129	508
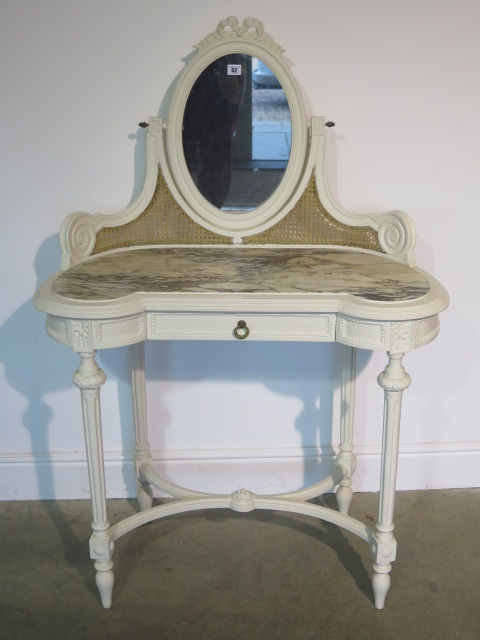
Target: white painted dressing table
177	265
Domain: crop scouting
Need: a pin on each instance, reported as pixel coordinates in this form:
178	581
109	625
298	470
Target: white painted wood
354	320
267	326
225	502
142	446
148	473
394	380
360	331
89	378
346	459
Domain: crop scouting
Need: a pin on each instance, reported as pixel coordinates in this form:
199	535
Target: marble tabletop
241	270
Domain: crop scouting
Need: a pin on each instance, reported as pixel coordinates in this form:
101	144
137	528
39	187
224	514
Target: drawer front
218	326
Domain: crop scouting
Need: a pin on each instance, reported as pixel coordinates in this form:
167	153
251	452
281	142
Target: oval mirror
237	132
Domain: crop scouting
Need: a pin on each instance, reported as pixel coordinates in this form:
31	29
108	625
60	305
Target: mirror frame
250	39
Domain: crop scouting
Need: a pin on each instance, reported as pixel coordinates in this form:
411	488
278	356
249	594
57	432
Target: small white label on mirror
234	69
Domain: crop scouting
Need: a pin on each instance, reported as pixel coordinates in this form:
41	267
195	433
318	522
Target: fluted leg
394	380
346	457
142	446
89	378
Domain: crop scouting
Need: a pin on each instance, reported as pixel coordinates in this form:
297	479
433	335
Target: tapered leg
142	446
346	457
89	378
394	380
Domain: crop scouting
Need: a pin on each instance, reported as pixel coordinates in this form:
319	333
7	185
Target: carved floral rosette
242	500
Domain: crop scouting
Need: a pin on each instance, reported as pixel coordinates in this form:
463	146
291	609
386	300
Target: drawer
219	326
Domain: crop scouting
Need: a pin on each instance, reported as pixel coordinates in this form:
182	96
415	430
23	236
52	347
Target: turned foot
104	580
381	583
344	495
144	496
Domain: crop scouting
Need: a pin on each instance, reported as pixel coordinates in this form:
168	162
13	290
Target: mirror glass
237	133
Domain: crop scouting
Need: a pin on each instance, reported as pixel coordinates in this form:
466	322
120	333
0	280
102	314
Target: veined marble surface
241	270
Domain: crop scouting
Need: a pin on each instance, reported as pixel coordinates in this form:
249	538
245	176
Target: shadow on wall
31	366
36	366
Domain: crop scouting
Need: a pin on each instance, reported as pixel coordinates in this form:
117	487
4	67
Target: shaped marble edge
430	304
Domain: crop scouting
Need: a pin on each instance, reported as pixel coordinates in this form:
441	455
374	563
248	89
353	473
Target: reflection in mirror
237	133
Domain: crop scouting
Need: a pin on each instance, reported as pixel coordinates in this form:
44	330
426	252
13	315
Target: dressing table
235	236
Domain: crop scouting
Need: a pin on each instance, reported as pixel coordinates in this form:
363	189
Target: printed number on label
234	70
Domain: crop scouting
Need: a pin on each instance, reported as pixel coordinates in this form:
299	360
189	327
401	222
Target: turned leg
142	446
394	380
346	457
89	378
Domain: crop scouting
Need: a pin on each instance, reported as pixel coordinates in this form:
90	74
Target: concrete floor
222	575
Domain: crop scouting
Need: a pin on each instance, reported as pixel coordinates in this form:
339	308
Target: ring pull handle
241	331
